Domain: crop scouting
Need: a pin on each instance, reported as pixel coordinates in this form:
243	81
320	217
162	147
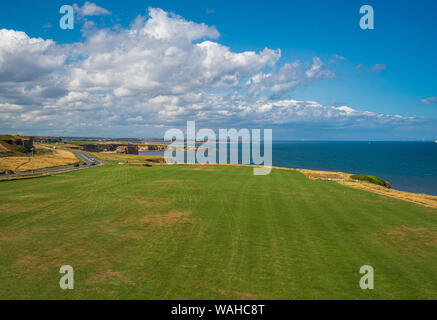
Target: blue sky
389	70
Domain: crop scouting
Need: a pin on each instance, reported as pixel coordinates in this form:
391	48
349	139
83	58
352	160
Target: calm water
408	166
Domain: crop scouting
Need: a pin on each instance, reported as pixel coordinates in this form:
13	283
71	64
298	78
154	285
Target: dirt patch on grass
414	241
9	207
165	184
163	219
203	169
66	250
109	229
109	277
324	175
30	196
17	234
239	295
148	202
169	181
428	237
26	260
31	264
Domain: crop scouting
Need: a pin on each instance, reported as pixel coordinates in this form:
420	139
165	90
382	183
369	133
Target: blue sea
408	166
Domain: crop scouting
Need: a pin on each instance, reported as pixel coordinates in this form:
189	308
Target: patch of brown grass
415	241
324	175
162	219
126	158
9	207
203	169
148	202
109	276
418	198
26	260
30	196
240	295
345	179
40	161
17	234
169	181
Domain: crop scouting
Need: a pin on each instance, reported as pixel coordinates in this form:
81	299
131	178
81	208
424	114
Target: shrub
21	149
371	179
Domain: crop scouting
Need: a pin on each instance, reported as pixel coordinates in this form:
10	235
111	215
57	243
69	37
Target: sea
408	166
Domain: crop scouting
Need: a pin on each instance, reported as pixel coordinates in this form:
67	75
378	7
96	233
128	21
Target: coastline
345	180
408	166
334	176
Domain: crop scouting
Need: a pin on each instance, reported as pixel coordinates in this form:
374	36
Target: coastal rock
127	149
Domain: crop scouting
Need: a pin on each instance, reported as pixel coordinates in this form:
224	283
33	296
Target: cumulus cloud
29	69
161	71
336	58
378	67
287	78
430	100
90	9
263	111
373	69
24	59
159	55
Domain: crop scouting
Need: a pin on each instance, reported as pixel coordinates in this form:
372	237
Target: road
85	157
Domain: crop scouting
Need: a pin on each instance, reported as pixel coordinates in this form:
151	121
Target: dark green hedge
371	179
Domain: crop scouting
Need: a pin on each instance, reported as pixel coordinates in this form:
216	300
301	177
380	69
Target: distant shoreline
409	166
344	179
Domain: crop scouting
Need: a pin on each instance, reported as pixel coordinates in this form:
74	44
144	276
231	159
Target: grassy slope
128	233
127	158
42	159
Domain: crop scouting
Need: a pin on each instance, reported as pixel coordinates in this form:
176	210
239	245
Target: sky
304	69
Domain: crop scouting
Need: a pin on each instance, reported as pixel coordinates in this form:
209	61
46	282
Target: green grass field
187	232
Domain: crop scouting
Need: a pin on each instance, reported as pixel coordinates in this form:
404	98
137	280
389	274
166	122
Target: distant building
13	144
47	139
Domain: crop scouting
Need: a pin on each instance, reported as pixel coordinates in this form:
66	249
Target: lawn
210	232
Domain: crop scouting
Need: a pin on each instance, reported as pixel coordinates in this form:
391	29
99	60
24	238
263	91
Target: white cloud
7	107
288	77
165	26
162	70
316	71
23	58
157	56
336	58
378	67
90	9
430	100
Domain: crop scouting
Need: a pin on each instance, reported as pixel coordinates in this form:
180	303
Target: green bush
21	149
371	179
